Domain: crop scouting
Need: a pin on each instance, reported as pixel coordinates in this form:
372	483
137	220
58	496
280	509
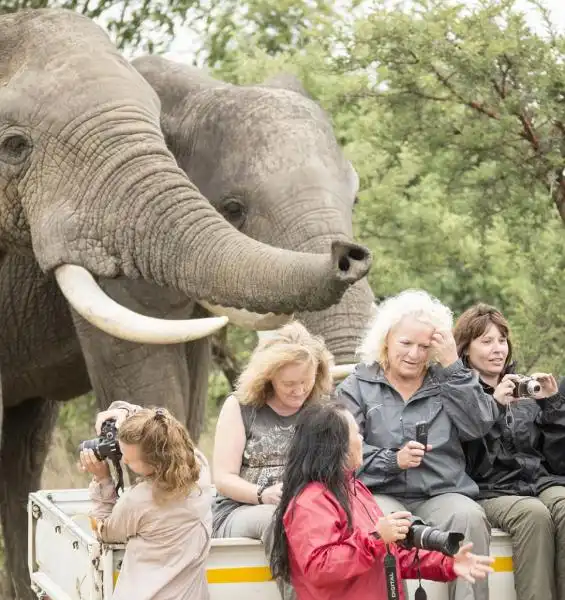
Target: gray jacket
452	402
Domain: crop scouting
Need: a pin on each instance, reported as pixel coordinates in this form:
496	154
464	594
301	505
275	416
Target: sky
183	47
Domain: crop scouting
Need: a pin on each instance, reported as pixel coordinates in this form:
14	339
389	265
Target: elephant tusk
87	298
246	319
340	372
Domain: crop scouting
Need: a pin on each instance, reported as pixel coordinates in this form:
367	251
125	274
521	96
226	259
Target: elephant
95	209
267	159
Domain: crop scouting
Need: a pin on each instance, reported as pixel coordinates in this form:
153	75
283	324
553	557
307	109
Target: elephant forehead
268	130
65	62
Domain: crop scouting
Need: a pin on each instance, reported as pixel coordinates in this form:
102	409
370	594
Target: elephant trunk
207	258
159	227
343	326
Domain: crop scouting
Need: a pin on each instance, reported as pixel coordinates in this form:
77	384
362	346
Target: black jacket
524	452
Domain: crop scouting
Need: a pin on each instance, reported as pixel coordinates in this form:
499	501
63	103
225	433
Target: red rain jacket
330	562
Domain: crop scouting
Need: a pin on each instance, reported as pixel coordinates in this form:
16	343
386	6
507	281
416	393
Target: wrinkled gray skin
86	179
267	158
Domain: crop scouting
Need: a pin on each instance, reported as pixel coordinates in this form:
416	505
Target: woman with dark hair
330	537
519	465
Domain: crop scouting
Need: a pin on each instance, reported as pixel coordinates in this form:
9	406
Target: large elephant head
268	160
88	185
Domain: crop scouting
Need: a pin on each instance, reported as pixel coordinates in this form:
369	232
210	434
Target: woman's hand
89	463
444	347
393	527
272	494
470	566
411	455
503	393
120	414
548	385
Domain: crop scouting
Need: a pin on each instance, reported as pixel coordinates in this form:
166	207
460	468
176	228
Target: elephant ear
287	81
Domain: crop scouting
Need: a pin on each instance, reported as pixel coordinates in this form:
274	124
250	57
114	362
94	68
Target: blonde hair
409	303
166	447
292	343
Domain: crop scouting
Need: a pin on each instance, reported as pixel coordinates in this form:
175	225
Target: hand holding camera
95	453
117	415
513	387
98	468
393	527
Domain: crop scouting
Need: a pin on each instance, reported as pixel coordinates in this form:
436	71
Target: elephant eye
233	210
14	148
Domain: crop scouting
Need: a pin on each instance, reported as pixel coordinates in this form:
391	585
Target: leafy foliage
452	118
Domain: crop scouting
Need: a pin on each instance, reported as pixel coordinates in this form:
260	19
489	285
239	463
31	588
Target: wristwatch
260	490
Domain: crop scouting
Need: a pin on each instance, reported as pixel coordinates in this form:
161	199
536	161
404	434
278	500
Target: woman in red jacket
330	536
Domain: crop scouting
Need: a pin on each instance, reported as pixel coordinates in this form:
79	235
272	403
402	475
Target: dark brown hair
474	322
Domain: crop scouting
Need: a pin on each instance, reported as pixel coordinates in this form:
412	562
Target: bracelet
260	491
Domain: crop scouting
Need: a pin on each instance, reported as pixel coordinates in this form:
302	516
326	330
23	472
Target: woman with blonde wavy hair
165	519
288	370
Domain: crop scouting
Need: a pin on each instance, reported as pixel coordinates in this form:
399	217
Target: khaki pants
255	521
453	512
537	528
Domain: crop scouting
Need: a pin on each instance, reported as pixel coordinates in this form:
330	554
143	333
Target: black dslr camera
526	387
425	537
105	446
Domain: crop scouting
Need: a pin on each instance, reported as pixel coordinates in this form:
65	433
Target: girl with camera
165	519
330	537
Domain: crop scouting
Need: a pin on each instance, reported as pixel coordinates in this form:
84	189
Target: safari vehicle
66	562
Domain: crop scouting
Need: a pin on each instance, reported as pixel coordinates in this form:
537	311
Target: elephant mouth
247	319
94	305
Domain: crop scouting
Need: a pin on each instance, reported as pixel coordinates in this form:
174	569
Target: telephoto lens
426	537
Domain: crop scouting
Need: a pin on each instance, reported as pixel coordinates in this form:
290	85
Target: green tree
452	199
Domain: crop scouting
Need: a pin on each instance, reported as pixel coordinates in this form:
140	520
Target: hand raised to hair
444	347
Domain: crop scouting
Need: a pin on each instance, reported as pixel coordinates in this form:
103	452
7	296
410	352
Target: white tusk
87	298
246	319
340	372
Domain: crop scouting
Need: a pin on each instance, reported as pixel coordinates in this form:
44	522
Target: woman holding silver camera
519	465
330	537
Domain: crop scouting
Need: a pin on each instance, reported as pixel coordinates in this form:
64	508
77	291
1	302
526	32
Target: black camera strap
390	574
118	467
420	593
392	580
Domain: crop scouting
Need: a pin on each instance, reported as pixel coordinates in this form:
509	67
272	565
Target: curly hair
409	303
290	344
165	446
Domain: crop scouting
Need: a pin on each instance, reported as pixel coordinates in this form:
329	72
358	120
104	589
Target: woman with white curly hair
411	379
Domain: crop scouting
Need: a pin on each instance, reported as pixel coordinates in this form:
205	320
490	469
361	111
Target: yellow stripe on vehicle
239	575
502	564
